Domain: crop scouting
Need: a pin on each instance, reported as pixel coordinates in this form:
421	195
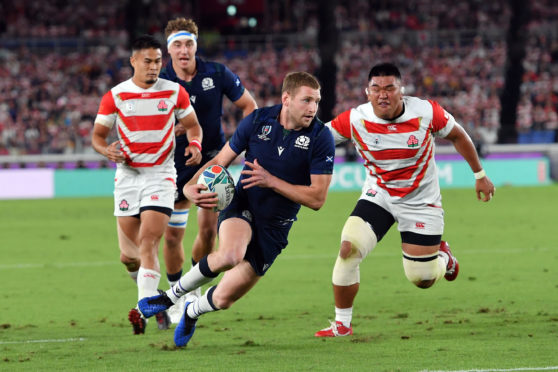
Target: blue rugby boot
185	329
150	306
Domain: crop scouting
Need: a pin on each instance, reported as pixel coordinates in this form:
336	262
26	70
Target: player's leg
234	236
424	259
235	283
173	250
153	223
207	233
422	264
127	242
366	226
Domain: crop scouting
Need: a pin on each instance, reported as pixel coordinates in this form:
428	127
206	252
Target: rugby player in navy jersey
288	163
206	82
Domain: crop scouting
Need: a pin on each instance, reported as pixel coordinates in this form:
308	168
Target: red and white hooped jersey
145	122
399	153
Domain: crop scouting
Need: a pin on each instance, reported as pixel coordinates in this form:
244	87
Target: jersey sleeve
341	127
241	136
442	121
183	107
323	153
107	111
232	87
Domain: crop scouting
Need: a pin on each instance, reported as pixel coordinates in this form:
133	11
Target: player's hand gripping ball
218	180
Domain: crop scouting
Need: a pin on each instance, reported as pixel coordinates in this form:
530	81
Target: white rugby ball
218	180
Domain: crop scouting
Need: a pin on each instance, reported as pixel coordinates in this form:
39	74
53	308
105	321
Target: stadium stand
57	61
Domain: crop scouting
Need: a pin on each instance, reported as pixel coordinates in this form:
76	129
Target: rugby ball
218	180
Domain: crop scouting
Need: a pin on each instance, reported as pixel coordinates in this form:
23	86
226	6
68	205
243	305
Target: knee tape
423	271
179	218
363	240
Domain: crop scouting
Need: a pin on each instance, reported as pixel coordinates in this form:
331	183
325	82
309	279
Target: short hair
181	24
295	80
384	69
145	42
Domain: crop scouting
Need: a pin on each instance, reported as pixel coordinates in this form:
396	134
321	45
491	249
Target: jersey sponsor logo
412	141
420	225
302	142
193	99
265	267
123	206
392	127
377	141
329	159
207	83
237	82
162	106
155	197
280	150
266	129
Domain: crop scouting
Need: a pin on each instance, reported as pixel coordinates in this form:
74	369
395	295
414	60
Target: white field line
550	368
43	341
284	256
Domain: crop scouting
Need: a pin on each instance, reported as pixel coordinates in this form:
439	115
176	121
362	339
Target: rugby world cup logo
266	129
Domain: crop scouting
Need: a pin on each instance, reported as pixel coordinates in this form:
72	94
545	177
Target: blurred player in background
289	163
206	82
144	110
394	134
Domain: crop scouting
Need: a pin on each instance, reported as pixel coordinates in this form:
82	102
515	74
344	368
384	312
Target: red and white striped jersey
145	122
398	154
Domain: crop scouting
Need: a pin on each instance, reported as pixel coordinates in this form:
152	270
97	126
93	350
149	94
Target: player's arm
194	134
465	147
192	189
99	143
340	127
312	196
246	103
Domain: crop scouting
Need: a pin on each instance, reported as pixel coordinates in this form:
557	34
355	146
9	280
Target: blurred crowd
49	99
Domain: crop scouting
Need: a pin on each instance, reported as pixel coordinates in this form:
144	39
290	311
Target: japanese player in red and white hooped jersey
145	122
398	153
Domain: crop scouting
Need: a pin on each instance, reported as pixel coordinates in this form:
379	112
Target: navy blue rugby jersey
212	81
288	154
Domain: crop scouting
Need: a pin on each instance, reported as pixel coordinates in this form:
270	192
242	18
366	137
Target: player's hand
194	154
179	129
257	176
204	200
485	189
113	153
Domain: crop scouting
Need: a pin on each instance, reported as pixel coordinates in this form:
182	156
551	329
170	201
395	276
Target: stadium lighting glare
231	10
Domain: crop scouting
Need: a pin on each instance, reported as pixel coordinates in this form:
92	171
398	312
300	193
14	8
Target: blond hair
294	80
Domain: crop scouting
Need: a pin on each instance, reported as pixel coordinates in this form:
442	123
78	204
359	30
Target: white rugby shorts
133	191
420	218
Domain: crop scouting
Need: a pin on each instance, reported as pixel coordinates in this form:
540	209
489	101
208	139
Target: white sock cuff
344	316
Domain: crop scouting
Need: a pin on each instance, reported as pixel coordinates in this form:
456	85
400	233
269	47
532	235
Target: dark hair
384	69
145	42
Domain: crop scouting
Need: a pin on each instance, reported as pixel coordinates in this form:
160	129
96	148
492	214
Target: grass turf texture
65	296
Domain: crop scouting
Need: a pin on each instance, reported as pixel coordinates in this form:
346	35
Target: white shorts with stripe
133	191
416	217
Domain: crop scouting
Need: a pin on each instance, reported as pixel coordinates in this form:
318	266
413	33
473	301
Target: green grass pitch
64	296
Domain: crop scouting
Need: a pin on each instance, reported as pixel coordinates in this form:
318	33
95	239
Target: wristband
196	143
480	174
